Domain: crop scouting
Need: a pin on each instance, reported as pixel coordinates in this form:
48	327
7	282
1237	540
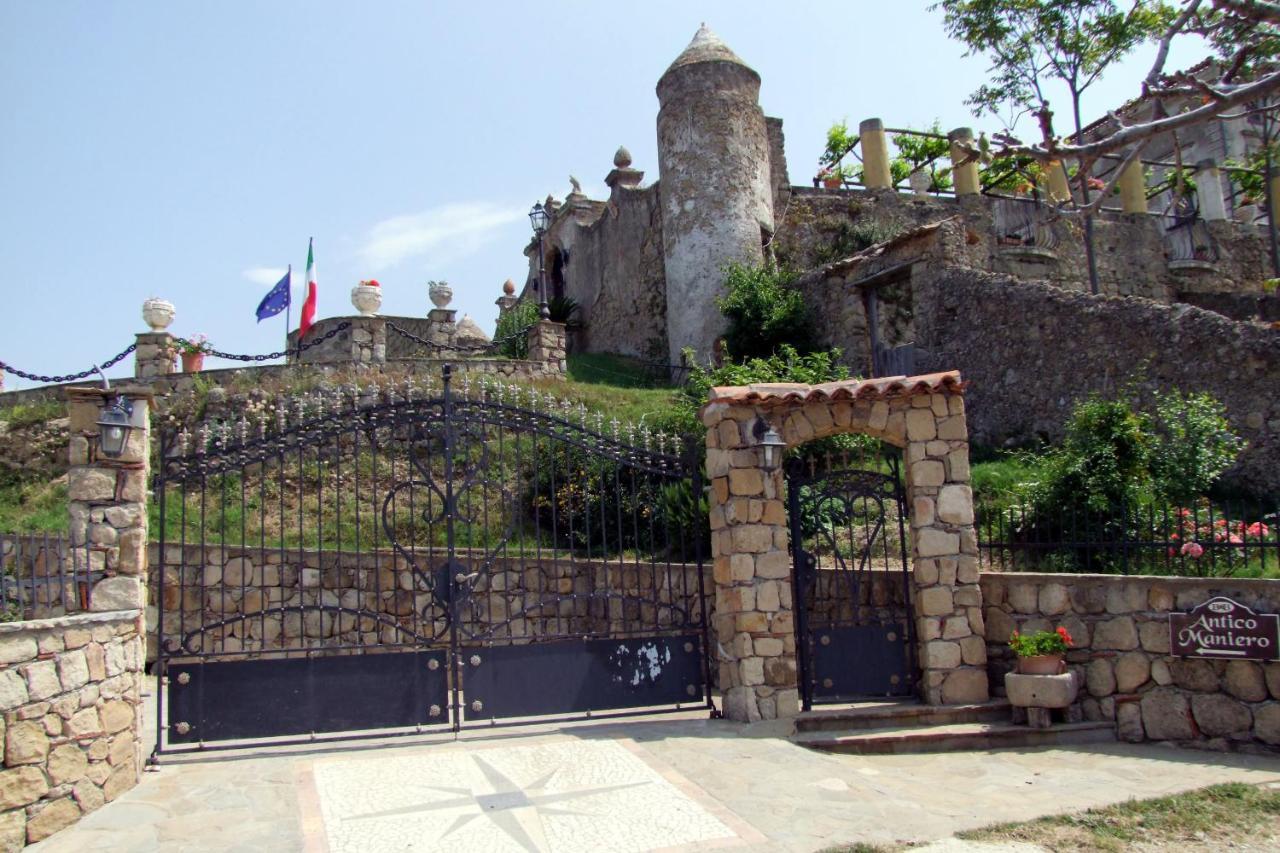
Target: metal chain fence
70	377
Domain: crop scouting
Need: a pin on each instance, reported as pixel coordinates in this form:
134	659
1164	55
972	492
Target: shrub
1192	445
513	344
764	311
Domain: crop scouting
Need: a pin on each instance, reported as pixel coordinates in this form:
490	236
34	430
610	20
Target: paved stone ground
661	783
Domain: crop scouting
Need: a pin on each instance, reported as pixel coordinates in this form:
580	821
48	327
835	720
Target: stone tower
715	183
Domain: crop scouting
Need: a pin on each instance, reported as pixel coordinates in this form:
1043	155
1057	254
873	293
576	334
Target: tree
1033	43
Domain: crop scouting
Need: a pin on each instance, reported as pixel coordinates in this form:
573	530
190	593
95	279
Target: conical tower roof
706	47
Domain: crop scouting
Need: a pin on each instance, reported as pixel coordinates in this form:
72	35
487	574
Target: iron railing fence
1200	539
42	575
1023	222
1187	238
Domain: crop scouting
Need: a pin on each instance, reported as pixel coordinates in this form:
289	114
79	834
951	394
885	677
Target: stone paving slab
674	784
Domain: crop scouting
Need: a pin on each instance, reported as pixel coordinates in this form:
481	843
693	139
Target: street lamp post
539	219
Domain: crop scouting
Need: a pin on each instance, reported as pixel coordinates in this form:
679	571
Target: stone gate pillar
107	498
754	622
754	626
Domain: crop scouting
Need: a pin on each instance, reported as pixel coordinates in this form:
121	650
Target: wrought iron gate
423	560
854	633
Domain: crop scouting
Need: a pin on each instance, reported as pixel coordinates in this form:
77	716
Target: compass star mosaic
556	797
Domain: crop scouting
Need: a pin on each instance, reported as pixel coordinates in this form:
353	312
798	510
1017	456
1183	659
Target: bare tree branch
1162	53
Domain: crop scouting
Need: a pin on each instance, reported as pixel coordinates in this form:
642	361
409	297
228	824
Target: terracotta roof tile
883	388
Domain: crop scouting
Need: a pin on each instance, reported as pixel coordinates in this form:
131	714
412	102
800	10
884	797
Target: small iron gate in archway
852	587
422	561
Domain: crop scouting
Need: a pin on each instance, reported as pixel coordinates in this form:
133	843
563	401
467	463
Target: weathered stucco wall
71	694
615	274
1120	629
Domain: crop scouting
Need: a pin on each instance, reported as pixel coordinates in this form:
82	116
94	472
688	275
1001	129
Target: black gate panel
334	564
238	700
851	581
573	677
860	661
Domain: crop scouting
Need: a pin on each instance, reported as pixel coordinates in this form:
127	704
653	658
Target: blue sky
189	150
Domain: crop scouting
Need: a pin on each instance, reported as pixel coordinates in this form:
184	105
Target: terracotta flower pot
1041	665
192	362
832	183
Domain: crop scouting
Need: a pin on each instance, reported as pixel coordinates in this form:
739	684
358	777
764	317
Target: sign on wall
1222	628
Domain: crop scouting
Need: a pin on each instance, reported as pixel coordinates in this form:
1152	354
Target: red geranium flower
1062	632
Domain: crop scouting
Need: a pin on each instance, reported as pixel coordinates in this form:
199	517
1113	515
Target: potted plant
833	177
192	351
917	159
839	143
1041	653
367	297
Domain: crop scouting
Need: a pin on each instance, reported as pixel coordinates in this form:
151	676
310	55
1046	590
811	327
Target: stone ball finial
622	157
509	287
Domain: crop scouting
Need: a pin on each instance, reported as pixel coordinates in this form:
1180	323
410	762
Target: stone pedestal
443	325
505	304
1036	695
155	355
368	340
547	344
107	498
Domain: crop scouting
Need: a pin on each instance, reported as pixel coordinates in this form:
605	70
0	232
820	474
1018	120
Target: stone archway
754	622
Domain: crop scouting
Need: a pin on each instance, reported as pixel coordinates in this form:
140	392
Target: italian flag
309	307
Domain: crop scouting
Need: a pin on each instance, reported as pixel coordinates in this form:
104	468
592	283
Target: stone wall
1031	351
71	694
1247	307
823	225
1120	628
305	376
208	585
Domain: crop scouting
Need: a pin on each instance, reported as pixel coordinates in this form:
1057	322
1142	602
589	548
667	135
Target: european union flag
277	300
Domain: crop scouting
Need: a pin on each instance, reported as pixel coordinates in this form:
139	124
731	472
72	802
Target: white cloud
446	232
264	275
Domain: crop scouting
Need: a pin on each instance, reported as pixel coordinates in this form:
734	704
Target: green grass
999	477
33	507
1213	818
27	414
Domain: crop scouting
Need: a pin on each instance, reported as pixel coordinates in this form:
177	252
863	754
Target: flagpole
288	313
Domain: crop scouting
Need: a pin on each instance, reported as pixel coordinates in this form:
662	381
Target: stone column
964	174
442	325
1213	206
1055	175
1273	214
944	545
368	340
875	155
156	355
107	498
754	623
547	345
1133	188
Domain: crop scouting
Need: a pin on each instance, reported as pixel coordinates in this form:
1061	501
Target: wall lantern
114	426
767	438
539	219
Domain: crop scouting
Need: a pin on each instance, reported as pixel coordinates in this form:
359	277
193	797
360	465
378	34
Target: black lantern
114	426
539	219
767	438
